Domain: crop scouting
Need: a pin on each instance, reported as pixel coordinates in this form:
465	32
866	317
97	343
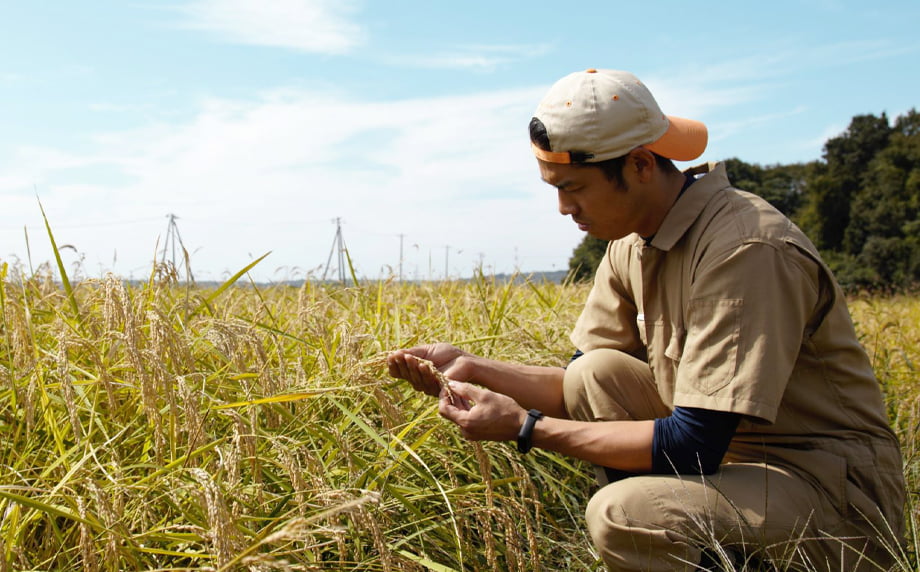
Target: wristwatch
525	435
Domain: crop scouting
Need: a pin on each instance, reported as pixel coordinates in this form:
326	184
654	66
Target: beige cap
596	115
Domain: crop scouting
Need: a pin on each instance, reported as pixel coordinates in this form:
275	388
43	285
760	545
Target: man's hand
450	360
481	414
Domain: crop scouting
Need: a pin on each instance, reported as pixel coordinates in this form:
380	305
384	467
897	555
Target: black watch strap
525	435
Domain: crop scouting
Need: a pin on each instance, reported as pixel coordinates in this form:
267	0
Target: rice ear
439	375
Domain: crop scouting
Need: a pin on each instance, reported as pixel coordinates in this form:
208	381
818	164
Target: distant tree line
859	204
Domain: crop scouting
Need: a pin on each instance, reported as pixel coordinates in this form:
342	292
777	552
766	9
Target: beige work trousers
746	512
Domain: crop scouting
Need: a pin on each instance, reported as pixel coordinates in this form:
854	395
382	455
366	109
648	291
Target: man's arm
532	387
624	445
690	441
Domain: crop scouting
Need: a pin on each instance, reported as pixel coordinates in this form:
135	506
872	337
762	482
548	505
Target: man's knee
632	530
576	385
608	385
632	503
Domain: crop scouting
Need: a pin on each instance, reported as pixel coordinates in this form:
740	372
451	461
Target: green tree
586	257
781	185
885	213
825	215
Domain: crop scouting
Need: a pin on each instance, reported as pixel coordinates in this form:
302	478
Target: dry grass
159	426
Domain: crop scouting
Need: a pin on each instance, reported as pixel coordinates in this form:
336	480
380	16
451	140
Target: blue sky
259	122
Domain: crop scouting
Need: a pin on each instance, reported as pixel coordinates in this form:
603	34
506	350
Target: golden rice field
162	426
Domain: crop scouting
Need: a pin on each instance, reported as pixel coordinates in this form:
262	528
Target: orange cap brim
684	140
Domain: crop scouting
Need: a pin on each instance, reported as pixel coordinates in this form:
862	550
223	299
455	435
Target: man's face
599	206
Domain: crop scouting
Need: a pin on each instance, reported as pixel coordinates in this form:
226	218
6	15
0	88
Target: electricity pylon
174	240
338	247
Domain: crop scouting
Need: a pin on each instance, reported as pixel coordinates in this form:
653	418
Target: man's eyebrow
560	185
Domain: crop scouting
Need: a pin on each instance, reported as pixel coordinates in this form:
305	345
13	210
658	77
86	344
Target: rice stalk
280	397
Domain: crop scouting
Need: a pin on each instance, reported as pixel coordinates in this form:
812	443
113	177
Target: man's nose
566	205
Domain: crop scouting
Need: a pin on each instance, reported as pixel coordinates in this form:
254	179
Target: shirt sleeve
608	319
692	440
748	315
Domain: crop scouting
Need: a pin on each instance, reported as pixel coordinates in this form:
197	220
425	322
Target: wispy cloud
787	58
697	90
106	107
729	129
15	183
269	174
473	57
847	53
816	143
320	26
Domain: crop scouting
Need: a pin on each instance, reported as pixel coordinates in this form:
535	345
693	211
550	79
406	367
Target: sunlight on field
164	426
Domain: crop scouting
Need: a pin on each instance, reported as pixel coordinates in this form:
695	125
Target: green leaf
60	264
226	285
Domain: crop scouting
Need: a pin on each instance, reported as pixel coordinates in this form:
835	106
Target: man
718	387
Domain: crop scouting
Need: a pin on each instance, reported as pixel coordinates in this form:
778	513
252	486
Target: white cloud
321	26
729	129
816	143
476	57
17	182
845	54
247	177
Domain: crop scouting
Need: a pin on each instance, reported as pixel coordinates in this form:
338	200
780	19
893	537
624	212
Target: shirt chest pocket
714	343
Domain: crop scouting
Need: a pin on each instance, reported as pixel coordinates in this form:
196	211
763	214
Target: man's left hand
481	414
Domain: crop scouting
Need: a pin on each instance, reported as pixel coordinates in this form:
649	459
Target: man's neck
671	187
678	183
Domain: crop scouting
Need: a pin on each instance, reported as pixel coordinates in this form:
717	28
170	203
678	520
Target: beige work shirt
734	310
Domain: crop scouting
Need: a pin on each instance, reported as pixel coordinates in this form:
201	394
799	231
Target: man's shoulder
737	214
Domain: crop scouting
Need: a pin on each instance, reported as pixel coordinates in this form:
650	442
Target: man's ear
642	163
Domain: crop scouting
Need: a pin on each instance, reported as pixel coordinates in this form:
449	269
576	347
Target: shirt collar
689	205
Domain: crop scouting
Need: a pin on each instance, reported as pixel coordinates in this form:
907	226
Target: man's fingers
396	364
403	365
417	371
467	391
452	399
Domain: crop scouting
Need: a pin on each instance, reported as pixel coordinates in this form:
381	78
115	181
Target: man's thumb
465	390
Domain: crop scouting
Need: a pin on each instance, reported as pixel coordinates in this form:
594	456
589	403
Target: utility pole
172	239
401	236
446	251
338	246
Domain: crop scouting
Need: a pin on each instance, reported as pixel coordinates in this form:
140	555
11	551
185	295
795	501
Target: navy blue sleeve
576	355
692	440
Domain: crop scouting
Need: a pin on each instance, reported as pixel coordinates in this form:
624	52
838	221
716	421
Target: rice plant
153	426
166	426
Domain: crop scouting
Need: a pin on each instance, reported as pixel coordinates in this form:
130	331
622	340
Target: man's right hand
404	364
